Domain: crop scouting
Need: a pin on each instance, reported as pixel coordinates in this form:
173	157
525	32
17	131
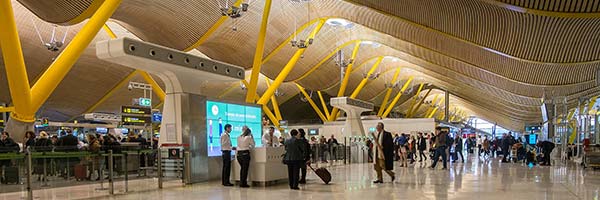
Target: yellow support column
155	87
16	72
362	83
344	84
391	106
433	104
312	103
288	68
64	62
212	29
388	93
416	109
326	59
258	54
430	115
415	98
265	109
108	94
274	102
325	109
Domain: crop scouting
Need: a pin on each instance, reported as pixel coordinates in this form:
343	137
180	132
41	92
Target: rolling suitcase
80	172
11	175
322	173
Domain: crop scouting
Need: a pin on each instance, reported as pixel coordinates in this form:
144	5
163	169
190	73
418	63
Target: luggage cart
592	157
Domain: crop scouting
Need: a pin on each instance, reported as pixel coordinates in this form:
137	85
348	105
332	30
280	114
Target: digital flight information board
218	114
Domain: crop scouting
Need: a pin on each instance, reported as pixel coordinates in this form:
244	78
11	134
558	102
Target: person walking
226	155
458	148
294	158
245	144
384	153
440	148
422	146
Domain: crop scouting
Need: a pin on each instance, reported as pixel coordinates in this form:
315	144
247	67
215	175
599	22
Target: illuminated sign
145	102
135	110
219	114
135	120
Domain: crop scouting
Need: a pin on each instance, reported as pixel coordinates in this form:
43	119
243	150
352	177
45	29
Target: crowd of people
66	141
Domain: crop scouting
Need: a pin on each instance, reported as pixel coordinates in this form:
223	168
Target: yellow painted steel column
109	31
362	83
312	103
16	72
416	109
274	102
388	93
155	87
6	109
412	105
112	91
391	106
63	63
344	84
433	104
287	41
430	115
212	29
258	54
326	59
266	110
288	68
325	109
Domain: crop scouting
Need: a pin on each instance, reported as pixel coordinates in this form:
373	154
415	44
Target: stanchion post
126	172
160	170
345	150
29	174
111	186
187	173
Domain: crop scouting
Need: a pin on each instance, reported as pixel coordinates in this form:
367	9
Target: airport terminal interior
299	99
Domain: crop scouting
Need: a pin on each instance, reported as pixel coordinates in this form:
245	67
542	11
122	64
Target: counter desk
266	167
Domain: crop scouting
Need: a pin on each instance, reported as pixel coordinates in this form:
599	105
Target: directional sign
145	102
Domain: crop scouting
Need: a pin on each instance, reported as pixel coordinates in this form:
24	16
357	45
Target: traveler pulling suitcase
11	175
322	173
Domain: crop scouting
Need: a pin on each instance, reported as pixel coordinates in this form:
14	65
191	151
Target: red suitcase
80	172
323	173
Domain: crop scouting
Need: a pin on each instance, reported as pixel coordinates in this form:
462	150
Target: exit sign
145	102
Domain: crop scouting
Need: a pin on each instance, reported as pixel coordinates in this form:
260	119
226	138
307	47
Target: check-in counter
266	167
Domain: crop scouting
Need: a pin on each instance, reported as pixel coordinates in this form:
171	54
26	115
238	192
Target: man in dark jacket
384	153
307	156
458	147
547	148
294	158
7	144
421	146
440	147
68	142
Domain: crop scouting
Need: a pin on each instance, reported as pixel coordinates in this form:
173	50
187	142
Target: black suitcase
11	175
323	173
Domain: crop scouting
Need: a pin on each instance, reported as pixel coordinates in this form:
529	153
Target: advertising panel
218	114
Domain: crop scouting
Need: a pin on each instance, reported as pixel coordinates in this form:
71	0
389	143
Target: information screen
218	114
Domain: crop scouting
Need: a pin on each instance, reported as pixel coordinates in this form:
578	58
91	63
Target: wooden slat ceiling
491	57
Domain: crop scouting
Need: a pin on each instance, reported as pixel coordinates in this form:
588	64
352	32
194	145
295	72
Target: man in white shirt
226	150
269	139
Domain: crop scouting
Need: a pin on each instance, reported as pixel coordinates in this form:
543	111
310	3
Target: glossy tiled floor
473	180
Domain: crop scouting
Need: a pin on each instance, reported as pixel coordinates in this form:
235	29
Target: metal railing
109	170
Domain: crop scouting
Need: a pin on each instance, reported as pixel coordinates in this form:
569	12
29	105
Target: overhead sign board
135	120
136	110
146	102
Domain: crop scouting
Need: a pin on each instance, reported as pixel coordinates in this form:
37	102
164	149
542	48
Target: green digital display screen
218	114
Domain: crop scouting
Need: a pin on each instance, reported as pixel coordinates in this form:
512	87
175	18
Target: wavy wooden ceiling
495	57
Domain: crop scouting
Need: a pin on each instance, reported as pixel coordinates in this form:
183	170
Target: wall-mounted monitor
218	114
313	131
101	130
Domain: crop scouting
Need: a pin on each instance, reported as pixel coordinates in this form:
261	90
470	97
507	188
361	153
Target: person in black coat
294	158
29	139
421	146
547	148
458	147
307	156
384	153
68	142
43	144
